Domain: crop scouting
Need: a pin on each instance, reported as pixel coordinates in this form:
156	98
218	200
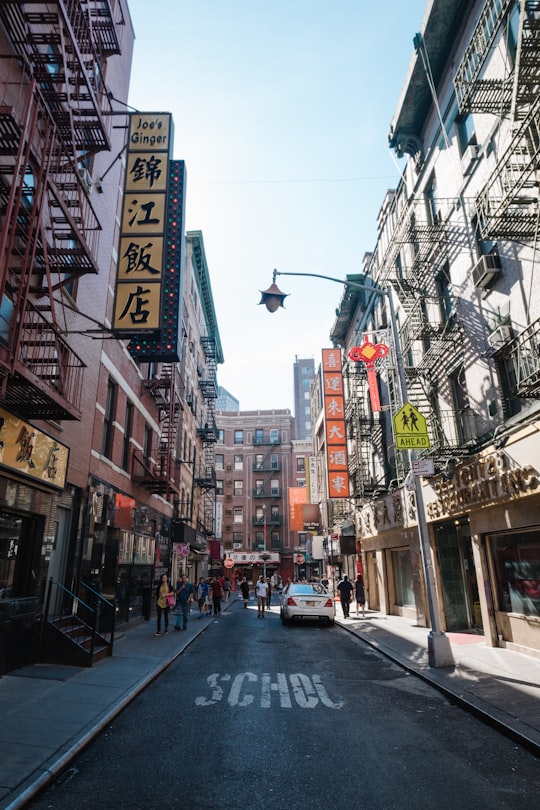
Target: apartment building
254	472
456	256
106	439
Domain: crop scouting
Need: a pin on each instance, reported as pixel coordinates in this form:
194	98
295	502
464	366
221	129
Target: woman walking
360	594
162	603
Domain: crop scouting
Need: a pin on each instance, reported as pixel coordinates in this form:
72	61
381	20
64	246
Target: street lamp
439	649
264	555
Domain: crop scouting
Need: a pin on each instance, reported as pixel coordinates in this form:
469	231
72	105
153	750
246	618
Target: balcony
261	441
523	355
267	466
259	492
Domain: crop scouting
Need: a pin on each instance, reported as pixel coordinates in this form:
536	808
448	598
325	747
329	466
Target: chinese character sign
141	255
28	451
334	419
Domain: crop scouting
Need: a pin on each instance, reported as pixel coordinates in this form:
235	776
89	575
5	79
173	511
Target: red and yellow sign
337	464
297	497
141	256
28	451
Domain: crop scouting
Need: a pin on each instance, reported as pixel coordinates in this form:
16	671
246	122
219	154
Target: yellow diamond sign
410	429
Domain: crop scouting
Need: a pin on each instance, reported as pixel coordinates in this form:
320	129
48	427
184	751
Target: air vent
486	269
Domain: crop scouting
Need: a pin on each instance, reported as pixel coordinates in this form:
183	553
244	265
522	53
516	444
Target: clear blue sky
281	111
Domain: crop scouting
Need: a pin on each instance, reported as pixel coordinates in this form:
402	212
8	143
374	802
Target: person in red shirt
217	593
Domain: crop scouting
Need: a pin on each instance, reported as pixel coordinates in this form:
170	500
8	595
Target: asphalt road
256	715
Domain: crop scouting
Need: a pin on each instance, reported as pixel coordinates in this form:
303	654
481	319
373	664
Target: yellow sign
28	451
410	429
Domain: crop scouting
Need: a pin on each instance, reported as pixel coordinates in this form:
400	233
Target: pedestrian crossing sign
410	429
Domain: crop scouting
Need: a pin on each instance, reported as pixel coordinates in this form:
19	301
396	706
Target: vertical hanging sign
141	256
334	420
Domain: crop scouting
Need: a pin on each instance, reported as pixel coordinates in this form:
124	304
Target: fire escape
161	475
508	205
206	473
52	103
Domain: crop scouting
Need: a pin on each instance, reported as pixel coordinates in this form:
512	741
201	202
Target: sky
281	111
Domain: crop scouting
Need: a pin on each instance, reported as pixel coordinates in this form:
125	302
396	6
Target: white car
306	600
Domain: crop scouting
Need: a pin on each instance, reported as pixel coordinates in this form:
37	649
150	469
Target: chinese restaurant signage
297	498
28	451
334	420
141	256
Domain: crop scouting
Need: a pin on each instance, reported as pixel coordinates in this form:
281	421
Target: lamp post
439	649
264	554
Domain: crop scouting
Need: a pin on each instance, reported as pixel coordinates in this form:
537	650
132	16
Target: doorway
458	576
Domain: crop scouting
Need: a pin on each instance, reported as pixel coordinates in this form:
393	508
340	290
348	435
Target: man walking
261	589
184	597
345	589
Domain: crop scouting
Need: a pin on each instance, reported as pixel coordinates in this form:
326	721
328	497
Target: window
274	539
238	514
108	419
274	461
128	426
219	461
306	370
300	464
274	487
458	385
239	437
444	292
259	460
147	446
259	486
306	395
306	384
466	130
274	512
238	487
259	540
220	435
238	537
259	436
274	436
219	487
239	462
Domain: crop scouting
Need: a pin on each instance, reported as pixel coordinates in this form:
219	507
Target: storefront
36	531
486	525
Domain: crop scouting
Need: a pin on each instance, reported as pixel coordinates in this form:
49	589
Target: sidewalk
50	713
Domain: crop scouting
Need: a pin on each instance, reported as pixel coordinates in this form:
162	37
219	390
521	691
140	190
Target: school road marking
305	691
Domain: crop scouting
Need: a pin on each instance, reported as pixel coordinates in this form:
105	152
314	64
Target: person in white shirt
261	589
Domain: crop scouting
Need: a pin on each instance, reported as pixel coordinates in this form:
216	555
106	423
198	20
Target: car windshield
306	588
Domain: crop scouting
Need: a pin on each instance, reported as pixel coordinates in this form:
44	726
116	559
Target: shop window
516	557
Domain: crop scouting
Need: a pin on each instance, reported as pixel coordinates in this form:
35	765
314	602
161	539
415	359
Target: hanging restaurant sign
337	464
29	452
141	255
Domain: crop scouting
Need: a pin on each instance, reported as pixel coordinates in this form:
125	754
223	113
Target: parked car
306	600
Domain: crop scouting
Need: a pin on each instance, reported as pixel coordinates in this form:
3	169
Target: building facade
456	258
254	472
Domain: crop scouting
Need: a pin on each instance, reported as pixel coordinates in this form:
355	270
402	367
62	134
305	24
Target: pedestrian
346	591
261	589
164	599
217	593
269	595
202	592
184	598
360	594
244	587
227	588
209	597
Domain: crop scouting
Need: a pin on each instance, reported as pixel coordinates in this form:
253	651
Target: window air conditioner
469	158
84	177
486	269
501	335
237	546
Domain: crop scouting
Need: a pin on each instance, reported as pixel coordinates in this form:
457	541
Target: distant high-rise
226	401
304	373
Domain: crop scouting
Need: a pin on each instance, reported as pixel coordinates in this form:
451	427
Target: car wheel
331	622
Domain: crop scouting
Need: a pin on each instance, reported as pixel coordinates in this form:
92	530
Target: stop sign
229	563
